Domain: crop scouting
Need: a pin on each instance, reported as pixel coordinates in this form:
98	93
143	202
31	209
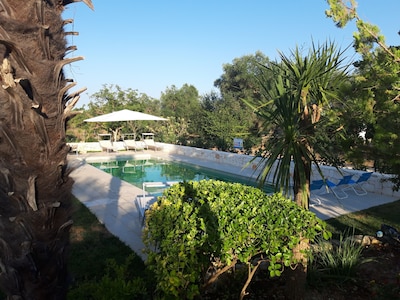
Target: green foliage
182	103
336	261
112	98
293	104
117	283
208	225
340	13
181	106
228	116
224	120
376	90
239	77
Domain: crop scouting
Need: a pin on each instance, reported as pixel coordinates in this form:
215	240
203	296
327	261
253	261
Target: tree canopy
377	83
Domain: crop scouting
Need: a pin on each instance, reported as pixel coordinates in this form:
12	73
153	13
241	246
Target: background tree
240	80
113	98
223	120
35	190
181	106
377	80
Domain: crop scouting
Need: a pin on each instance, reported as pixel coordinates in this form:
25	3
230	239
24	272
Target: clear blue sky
149	45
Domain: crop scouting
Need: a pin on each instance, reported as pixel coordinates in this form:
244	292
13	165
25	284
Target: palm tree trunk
35	189
297	278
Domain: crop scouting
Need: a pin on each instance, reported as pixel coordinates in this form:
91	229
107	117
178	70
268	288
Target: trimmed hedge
199	230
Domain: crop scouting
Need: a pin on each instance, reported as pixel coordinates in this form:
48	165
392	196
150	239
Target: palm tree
35	189
294	99
293	102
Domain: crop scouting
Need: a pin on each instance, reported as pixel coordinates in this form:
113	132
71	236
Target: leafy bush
197	231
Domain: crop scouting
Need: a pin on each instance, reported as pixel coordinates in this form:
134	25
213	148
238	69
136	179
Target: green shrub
199	230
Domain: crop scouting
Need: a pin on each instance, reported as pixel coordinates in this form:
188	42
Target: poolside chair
152	145
134	145
357	185
315	189
338	188
106	145
143	203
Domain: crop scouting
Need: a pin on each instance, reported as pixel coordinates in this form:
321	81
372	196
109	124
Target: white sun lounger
106	145
134	145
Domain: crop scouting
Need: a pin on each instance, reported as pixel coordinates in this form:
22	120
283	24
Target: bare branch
68	21
219	272
5	7
71	33
73	95
382	45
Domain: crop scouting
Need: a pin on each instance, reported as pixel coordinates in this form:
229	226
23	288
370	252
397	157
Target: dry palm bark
35	189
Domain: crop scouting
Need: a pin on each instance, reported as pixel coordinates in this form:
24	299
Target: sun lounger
106	145
338	188
357	185
152	145
134	145
315	189
144	201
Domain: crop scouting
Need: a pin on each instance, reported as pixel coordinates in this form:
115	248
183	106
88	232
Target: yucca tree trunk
35	190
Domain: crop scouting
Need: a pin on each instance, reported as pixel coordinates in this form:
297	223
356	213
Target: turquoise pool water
153	170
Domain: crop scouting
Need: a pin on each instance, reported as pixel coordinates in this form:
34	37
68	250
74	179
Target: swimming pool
138	171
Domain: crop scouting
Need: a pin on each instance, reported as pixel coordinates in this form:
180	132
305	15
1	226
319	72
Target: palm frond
291	89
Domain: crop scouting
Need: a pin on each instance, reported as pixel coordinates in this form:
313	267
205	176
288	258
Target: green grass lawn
92	245
96	256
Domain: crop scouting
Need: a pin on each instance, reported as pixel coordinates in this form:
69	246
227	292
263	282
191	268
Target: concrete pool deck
112	200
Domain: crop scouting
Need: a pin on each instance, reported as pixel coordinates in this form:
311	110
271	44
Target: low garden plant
198	231
338	260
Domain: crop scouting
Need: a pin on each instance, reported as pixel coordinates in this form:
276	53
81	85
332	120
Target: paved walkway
113	200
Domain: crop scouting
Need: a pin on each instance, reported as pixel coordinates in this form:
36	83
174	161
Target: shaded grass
92	246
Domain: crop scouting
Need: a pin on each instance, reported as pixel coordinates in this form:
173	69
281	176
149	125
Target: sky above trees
151	45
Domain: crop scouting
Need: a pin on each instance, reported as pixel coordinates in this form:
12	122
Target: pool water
153	170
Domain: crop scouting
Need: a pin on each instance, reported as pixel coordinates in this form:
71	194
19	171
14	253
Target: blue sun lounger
338	188
357	185
317	187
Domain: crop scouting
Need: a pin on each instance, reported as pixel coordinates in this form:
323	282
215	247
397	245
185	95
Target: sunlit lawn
368	221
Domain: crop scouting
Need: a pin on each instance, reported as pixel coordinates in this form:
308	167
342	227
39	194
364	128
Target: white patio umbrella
125	115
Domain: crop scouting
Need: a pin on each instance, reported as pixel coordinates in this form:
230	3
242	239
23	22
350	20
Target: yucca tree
293	103
35	190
